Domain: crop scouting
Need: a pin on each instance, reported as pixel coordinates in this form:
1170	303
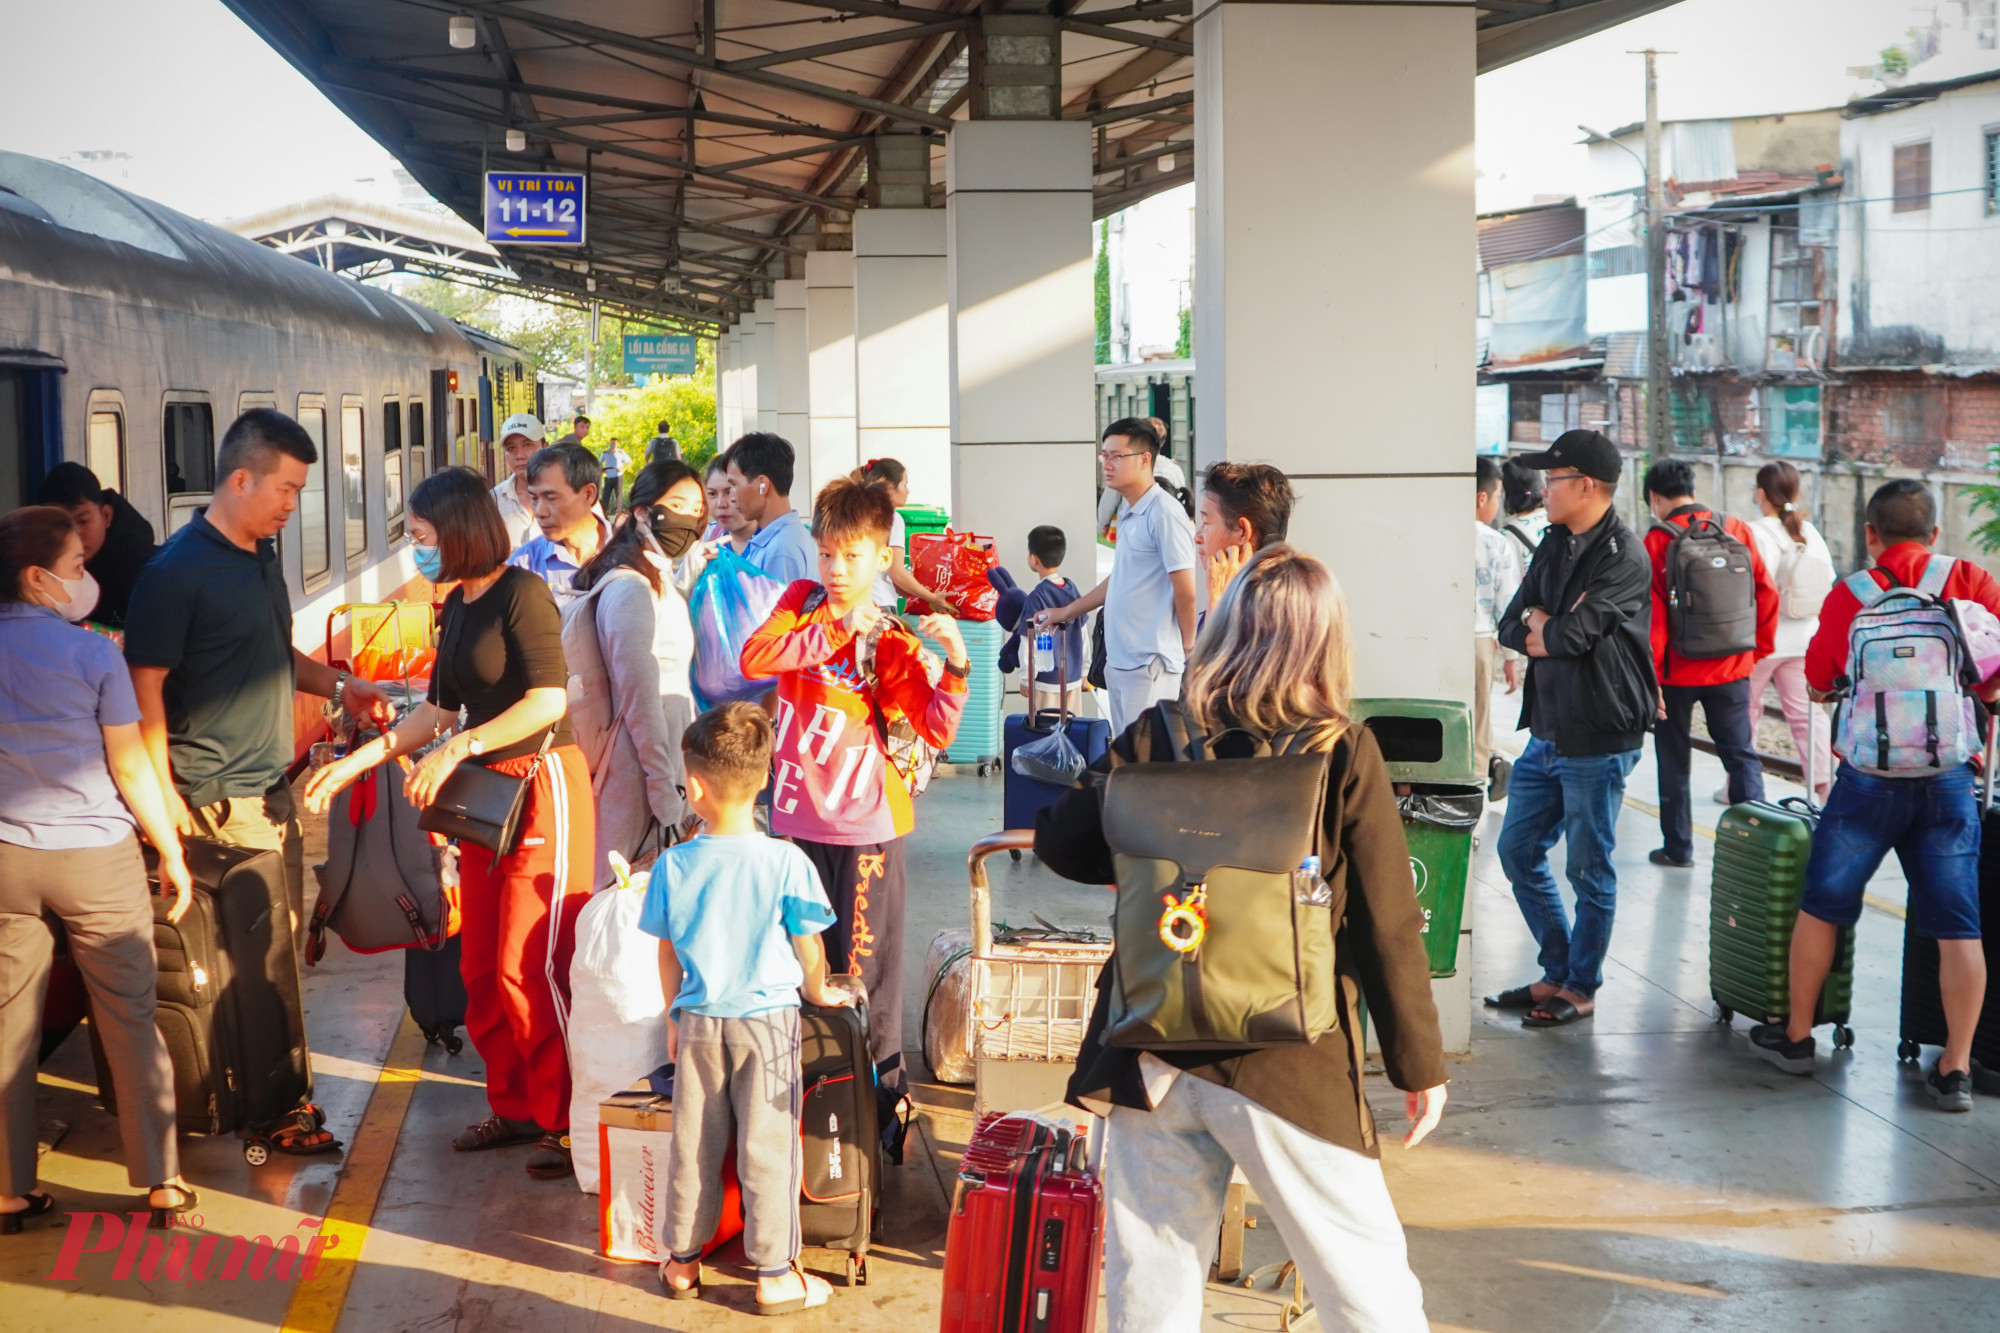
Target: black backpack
1711	591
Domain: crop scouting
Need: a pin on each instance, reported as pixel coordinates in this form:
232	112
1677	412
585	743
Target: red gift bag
954	564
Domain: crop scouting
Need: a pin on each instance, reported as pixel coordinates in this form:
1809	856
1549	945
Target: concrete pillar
1017	203
765	313
830	364
902	396
747	368
1349	273
790	359
725	385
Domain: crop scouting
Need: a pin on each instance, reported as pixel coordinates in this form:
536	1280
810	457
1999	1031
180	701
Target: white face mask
83	595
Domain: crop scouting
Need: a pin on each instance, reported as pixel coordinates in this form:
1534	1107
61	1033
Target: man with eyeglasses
1582	618
1149	600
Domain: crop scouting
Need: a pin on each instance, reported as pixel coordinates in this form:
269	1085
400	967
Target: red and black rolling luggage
1027	1232
840	1195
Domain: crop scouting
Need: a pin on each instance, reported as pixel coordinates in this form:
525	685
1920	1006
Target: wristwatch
960	671
474	746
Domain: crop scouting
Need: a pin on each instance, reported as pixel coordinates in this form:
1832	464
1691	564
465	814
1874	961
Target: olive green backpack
1224	926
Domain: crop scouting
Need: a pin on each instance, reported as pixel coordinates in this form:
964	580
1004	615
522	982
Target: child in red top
843	668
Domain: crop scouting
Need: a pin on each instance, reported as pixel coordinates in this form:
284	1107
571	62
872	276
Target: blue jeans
1933	825
1549	797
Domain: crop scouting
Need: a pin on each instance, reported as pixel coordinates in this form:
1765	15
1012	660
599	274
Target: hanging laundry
1711	264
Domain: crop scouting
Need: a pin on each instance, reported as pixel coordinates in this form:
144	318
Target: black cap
1585	450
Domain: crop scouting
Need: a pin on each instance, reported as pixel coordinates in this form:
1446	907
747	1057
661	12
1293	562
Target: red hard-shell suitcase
1027	1232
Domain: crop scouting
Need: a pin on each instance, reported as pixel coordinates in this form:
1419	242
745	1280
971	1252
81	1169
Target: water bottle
1309	887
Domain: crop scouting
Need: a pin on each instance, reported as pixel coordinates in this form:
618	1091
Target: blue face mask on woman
430	561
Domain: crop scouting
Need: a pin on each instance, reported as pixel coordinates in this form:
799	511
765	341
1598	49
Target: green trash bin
1428	744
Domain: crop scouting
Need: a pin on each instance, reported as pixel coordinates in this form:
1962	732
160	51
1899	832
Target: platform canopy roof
722	135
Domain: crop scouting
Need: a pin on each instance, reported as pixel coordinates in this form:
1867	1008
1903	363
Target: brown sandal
493	1132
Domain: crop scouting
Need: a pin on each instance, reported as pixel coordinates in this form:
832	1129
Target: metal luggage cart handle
1013	839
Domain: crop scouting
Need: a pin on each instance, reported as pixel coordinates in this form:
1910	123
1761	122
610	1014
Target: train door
392	469
187	446
30	424
419	464
353	486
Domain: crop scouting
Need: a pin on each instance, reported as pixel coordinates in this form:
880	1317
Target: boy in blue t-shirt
738	916
1041	683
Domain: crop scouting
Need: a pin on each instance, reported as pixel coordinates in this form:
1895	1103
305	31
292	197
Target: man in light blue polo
760	486
563	483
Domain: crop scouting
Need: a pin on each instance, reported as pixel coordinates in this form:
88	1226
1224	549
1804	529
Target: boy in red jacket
844	669
1721	685
1931	821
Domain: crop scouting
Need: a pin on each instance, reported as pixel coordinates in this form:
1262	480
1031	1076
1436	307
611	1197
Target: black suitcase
229	1003
435	991
840	1193
1923	1009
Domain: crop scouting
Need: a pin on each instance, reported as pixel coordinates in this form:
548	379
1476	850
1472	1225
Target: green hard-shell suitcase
1761	849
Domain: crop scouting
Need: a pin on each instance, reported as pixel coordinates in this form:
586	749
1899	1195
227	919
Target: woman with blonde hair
1274	656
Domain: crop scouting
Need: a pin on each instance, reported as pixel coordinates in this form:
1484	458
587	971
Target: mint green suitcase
1760	873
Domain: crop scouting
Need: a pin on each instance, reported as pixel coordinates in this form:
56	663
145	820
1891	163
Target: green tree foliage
1985	499
632	418
1184	344
1102	282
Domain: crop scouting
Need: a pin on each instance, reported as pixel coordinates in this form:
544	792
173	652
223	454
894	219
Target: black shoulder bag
481	806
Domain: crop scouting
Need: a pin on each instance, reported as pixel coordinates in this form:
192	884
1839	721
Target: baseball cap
1585	450
522	423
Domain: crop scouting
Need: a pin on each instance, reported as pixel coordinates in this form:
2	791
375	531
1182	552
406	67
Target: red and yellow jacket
832	781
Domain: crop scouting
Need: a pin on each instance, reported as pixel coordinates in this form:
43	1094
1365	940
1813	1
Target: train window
14	485
188	438
353	484
392	467
419	446
104	438
314	558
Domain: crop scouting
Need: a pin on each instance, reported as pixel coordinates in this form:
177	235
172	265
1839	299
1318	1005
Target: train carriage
131	335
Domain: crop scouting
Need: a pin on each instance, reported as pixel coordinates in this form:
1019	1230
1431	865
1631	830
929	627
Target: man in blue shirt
563	482
760	487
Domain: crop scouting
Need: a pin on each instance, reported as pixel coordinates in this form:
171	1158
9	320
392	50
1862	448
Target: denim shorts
1932	824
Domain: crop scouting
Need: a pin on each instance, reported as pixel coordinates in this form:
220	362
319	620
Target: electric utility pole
1659	376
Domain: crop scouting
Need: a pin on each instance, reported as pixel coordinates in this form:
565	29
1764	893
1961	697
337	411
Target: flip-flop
690	1293
1560	1013
1521	997
818	1292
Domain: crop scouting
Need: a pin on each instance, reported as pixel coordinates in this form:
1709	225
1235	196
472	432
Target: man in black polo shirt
208	637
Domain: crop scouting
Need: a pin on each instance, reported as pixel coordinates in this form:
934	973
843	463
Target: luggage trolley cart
1031	998
385	641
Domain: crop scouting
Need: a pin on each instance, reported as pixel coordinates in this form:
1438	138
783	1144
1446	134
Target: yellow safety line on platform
1868	899
317	1303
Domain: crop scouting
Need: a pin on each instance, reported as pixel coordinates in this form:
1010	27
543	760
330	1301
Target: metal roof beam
1166	44
797	54
590	34
872	9
1111	115
1140	13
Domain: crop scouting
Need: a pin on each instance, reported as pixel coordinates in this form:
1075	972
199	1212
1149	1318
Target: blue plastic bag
731	598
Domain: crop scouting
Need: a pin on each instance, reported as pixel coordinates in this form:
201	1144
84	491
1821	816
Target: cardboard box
635	1130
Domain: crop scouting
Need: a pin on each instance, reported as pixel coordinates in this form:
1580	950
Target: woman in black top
1272	657
500	661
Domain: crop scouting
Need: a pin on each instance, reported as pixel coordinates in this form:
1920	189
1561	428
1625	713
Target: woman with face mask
630	645
75	780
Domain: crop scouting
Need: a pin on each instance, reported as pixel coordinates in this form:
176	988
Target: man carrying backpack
1888	649
1715	613
1580	619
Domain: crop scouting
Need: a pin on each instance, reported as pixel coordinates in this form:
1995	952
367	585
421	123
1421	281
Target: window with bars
1912	177
1796	336
1992	177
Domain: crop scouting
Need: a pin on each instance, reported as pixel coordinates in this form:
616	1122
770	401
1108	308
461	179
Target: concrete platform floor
1638	1171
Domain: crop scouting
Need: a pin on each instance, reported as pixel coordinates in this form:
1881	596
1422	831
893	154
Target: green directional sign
658	354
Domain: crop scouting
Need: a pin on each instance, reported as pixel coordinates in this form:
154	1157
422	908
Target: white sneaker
1722	795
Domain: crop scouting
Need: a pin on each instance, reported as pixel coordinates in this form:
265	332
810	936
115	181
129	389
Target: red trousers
517	928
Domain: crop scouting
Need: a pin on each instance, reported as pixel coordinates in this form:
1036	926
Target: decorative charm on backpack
1185	921
1905	707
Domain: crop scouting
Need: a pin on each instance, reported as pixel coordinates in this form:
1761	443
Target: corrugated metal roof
1536	233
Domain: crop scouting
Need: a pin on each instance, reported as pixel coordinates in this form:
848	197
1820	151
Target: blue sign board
534	208
658	354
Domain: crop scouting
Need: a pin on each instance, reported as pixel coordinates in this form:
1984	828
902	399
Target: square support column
830	364
765	313
1349	272
747	368
1023	412
902	389
790	355
723	373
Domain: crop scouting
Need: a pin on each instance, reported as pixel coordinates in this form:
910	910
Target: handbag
481	806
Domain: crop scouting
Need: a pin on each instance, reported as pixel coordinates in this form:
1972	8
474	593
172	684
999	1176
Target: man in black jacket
117	539
1582	618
